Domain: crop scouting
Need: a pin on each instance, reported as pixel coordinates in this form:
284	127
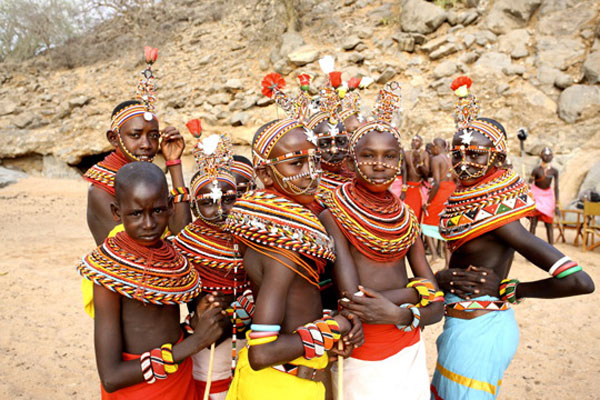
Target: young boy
214	254
417	170
139	282
285	248
242	171
481	224
545	197
373	231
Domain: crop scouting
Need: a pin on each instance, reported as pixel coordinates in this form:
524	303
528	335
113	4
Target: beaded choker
270	223
212	252
103	174
380	225
157	274
471	211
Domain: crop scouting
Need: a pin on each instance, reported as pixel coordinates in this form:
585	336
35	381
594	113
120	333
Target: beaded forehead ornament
467	110
146	96
387	106
213	155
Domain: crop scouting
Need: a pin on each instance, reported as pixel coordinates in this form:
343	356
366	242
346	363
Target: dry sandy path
46	338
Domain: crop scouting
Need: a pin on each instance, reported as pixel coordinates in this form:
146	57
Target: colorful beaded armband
244	309
319	336
563	268
426	290
146	365
180	194
414	324
508	291
167	355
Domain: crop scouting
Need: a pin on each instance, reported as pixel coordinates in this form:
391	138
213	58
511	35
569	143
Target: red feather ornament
335	78
461	81
151	54
271	82
195	127
353	83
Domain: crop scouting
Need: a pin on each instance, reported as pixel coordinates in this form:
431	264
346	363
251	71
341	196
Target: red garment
177	386
383	341
414	198
436	205
547	219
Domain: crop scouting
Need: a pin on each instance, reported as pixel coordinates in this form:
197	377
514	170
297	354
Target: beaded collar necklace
103	173
157	275
380	226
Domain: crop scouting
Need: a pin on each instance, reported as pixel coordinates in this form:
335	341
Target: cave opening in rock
88	161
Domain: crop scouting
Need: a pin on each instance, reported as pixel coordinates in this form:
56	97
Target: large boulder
421	16
559	52
565	22
592	180
515	43
506	15
578	102
290	41
591	68
493	62
7	107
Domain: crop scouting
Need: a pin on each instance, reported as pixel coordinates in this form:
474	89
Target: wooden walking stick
211	361
340	376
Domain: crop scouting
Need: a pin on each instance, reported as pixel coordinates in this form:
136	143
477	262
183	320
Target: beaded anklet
563	268
415	321
508	291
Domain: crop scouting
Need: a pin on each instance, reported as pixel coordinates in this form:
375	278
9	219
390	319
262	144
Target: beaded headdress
387	106
145	95
351	101
213	155
296	107
466	117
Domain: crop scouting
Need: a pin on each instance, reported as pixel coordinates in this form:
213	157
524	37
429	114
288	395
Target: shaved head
137	174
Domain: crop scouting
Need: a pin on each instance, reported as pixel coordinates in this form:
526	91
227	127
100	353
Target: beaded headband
145	94
242	169
200	180
386	106
267	139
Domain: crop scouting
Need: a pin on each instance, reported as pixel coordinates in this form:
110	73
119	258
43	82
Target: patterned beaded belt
302	371
471	309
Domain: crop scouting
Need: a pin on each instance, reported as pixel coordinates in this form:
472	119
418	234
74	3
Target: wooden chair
591	225
563	224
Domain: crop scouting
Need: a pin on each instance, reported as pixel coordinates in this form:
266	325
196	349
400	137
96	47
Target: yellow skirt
271	384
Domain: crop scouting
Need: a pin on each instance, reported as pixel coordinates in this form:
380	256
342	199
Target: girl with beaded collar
481	224
135	135
285	248
215	256
374	232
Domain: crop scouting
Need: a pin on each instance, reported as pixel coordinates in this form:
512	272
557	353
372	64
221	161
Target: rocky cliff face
534	63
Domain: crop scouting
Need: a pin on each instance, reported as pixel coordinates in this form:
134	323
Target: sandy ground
46	340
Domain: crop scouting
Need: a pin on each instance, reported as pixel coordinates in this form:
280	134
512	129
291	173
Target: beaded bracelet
171	163
158	364
334	328
508	291
426	290
180	194
167	355
414	324
265	328
563	268
317	338
438	297
146	365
